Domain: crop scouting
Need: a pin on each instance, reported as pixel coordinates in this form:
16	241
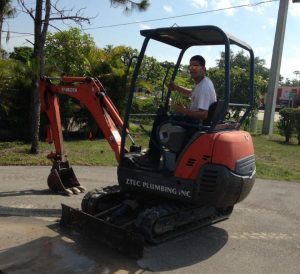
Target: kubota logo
72	90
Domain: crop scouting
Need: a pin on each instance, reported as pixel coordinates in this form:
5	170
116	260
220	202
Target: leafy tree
113	68
14	99
240	60
74	53
22	54
3	54
151	74
239	71
67	52
6	11
43	15
293	82
239	84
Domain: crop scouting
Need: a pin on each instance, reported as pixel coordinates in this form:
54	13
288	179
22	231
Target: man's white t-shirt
203	95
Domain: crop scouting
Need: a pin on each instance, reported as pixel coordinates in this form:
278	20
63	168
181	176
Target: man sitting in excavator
202	96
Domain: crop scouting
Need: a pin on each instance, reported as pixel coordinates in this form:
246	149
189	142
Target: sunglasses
193	66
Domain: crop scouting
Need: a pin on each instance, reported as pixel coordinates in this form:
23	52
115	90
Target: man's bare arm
185	91
199	114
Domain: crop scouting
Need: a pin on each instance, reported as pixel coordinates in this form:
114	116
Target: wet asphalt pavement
261	236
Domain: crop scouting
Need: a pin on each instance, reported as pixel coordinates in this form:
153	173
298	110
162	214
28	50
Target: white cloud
199	4
261	9
168	8
290	62
144	26
269	23
262	50
246	2
228	5
272	21
224	4
294	9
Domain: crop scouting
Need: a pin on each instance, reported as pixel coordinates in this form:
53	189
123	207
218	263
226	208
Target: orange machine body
220	148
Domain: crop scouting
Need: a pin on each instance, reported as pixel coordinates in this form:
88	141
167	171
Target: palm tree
6	11
130	5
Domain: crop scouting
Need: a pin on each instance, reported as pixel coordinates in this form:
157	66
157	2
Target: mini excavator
196	183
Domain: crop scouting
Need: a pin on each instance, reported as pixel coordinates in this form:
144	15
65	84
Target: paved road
262	235
261	113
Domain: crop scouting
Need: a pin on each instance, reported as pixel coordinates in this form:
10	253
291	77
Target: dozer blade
129	243
64	181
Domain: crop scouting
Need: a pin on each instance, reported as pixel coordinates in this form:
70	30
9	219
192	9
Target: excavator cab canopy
183	38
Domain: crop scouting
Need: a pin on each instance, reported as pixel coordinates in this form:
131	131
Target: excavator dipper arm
90	93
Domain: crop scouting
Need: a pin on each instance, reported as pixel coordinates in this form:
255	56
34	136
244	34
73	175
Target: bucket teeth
81	189
67	192
75	190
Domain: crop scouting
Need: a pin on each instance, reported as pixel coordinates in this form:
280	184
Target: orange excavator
196	183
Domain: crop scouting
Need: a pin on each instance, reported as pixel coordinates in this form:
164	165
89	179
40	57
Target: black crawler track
124	222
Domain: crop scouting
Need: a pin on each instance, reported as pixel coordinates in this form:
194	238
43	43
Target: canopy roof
185	37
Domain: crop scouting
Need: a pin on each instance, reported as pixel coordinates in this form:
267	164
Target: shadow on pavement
61	254
43	247
184	251
29	212
25	192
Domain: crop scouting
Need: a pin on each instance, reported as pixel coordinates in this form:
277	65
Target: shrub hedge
289	123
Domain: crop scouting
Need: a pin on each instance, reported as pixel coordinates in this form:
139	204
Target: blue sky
255	25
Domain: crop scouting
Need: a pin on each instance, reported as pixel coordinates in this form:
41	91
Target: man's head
199	59
197	68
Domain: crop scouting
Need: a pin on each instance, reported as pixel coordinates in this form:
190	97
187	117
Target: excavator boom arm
90	93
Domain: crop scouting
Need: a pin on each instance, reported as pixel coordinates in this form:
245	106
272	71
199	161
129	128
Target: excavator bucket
62	180
116	238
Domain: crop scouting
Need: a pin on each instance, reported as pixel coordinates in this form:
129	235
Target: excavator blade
129	243
64	181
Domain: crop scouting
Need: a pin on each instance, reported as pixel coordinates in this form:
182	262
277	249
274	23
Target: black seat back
214	112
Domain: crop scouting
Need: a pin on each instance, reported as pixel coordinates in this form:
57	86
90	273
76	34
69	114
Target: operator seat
174	135
214	112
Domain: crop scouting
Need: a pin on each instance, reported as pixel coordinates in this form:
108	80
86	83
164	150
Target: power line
163	18
18	36
16	32
183	15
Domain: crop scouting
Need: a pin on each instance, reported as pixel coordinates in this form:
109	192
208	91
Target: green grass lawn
80	152
274	159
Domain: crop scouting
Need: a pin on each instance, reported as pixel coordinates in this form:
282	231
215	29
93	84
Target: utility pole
275	68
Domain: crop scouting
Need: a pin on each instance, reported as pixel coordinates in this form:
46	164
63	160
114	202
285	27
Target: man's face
196	70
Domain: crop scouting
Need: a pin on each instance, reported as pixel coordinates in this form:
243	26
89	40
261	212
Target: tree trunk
40	31
35	115
1	25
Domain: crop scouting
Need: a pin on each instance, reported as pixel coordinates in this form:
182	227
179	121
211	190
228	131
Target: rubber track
173	223
156	223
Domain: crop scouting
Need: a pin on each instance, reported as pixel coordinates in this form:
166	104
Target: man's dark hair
198	58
